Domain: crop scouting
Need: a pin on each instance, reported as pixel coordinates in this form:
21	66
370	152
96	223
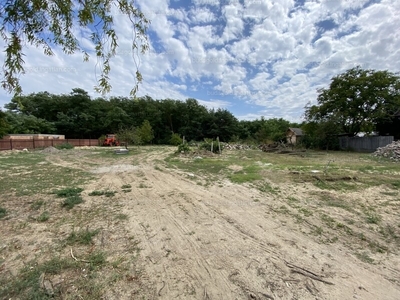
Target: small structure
294	135
36	136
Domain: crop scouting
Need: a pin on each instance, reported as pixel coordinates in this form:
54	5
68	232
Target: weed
329	221
156	167
65	146
3	212
121	217
126	186
97	259
142	186
305	212
43	217
68	192
363	256
127	190
37	204
267	188
71	201
373	218
102	193
248	174
318	230
83	237
27	284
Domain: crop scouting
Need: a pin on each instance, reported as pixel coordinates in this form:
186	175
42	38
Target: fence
10	144
364	144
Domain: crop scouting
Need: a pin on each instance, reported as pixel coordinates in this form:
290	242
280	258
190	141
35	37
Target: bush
175	139
183	148
206	145
65	146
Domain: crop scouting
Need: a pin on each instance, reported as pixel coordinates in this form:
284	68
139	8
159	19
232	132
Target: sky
252	57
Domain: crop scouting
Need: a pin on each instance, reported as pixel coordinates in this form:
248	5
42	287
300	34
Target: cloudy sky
253	57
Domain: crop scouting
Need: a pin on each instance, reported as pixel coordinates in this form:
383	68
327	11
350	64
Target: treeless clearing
243	225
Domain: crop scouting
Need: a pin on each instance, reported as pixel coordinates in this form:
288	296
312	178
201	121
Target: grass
27	174
37	204
126	186
82	237
44	216
363	256
3	212
102	193
70	202
68	192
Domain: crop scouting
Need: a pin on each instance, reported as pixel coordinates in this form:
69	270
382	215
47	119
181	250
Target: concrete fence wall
10	144
364	144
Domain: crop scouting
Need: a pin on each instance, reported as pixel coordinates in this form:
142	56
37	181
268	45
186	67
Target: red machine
110	140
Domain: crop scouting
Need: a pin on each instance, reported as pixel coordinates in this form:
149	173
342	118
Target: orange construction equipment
110	140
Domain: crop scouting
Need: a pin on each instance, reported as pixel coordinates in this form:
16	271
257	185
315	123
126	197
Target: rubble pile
391	151
275	147
236	146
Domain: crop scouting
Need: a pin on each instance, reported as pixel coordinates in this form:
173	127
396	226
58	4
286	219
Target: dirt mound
50	149
391	151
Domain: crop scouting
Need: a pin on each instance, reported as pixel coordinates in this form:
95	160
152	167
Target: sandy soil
216	242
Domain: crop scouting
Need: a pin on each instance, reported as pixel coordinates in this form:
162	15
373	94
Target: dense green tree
20	123
357	100
146	132
49	23
4	126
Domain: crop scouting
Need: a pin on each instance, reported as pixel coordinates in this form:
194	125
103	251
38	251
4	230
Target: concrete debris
391	151
228	146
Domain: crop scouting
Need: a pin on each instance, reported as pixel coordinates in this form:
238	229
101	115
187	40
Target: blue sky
253	57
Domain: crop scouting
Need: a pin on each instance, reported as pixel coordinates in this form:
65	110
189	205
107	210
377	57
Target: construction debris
391	151
236	146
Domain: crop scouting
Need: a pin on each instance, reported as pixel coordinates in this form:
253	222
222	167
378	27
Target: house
31	136
294	135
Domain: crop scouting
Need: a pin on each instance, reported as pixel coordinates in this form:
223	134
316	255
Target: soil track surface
217	243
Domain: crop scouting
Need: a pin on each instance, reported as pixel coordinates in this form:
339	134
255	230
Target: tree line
356	101
77	115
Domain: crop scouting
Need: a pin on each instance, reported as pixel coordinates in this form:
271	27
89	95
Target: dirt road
216	242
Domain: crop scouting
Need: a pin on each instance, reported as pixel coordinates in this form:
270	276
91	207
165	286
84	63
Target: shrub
65	146
3	212
183	148
206	145
175	139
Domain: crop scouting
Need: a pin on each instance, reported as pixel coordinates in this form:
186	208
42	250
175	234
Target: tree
49	23
357	100
146	132
4	127
129	135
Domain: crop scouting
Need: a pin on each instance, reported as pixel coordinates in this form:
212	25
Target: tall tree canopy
49	23
357	100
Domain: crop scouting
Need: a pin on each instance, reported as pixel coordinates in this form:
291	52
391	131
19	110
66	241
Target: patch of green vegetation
247	174
363	256
331	200
102	193
3	212
126	186
65	146
27	284
267	188
71	201
82	237
305	212
37	204
372	217
329	221
44	216
127	190
68	192
142	186
121	217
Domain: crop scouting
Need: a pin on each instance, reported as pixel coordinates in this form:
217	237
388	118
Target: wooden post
11	143
33	143
183	140
212	146
219	145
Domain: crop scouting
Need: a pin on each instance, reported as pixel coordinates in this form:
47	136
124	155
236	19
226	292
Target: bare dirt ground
217	242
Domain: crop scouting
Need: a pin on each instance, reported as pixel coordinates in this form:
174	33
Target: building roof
297	131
